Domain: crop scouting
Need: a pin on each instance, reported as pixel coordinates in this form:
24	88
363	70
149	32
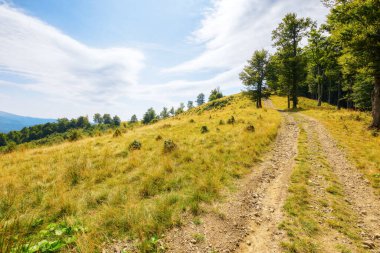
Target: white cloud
232	29
51	62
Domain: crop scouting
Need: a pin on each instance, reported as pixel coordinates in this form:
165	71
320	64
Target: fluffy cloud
48	61
36	56
232	29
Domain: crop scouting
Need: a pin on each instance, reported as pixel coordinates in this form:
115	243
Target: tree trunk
288	101
259	95
338	106
376	103
319	87
319	93
329	97
295	99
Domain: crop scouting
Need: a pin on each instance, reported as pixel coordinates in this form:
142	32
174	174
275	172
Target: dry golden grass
115	192
350	129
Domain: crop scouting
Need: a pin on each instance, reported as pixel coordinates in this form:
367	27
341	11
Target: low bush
74	135
204	129
117	133
231	120
135	145
250	128
169	146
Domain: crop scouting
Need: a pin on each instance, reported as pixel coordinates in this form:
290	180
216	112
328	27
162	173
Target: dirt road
342	204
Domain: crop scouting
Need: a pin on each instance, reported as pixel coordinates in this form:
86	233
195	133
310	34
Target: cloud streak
55	64
38	57
232	29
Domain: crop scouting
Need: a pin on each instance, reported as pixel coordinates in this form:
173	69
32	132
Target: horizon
67	59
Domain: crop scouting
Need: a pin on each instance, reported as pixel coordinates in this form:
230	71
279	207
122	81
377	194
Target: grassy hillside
349	128
98	189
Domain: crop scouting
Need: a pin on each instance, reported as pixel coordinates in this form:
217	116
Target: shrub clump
135	145
117	133
250	128
74	135
192	121
169	146
204	129
231	120
158	137
221	122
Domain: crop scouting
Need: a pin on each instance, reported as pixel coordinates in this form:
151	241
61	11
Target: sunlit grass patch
134	186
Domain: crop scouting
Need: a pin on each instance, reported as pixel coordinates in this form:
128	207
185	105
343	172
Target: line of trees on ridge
340	64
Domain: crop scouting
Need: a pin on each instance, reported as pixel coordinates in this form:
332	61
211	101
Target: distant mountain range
9	122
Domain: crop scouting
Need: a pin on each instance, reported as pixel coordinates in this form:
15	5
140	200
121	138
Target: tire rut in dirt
252	212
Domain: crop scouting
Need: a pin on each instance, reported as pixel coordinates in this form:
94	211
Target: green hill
83	194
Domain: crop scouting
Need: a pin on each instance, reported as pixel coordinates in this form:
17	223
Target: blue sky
66	58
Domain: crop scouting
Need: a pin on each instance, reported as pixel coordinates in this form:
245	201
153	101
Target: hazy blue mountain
9	121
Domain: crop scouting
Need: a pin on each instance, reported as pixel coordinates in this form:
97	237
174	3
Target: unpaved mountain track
265	235
357	190
249	217
248	221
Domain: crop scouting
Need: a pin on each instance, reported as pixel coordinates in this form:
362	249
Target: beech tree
133	119
190	105
254	74
172	111
356	25
98	119
107	119
164	113
287	37
215	94
316	54
116	120
149	116
200	99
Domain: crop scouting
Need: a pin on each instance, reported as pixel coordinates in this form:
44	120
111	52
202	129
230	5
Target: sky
67	58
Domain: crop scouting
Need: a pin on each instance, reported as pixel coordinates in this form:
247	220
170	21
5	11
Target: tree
287	37
273	73
164	113
107	119
63	125
133	119
316	52
98	119
215	94
3	139
356	25
83	122
149	116
180	109
116	120
200	99
333	69
172	111
254	74
190	105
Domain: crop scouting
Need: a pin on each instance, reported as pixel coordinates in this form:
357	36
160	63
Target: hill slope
119	193
10	122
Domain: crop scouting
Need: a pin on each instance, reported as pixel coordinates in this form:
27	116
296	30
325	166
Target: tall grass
130	194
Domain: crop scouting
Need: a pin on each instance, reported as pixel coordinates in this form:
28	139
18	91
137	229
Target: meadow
350	129
80	196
